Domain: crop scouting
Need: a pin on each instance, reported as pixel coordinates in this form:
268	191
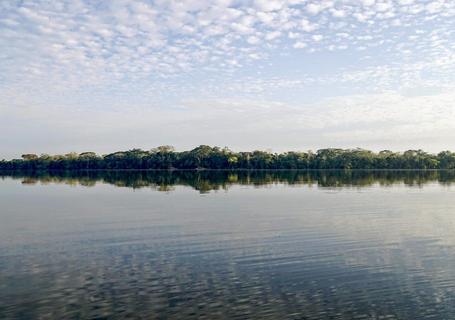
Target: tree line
207	157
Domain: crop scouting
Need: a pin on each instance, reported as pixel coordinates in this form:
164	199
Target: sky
273	75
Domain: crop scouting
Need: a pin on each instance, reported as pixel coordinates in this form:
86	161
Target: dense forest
206	157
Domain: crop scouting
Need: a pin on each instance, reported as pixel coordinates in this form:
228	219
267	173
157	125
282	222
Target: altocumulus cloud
77	75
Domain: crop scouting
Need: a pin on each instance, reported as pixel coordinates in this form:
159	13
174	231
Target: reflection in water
205	181
282	252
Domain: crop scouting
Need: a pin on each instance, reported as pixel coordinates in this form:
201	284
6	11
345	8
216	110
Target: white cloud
406	2
368	2
300	45
272	35
317	37
253	40
266	17
268	5
75	54
434	6
383	6
105	42
338	13
314	8
307	26
293	35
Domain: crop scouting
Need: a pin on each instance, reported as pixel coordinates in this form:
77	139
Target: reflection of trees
205	181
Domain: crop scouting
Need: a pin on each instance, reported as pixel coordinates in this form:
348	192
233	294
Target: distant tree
87	155
207	157
446	160
29	156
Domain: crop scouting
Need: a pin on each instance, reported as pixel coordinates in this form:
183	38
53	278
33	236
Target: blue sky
280	75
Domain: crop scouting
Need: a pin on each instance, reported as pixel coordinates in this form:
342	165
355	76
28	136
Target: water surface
228	245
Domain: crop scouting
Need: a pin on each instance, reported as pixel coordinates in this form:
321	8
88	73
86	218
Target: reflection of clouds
391	216
264	277
248	253
395	229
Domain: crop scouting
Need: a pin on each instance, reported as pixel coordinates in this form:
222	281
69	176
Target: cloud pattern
168	57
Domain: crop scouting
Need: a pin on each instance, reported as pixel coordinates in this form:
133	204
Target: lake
227	245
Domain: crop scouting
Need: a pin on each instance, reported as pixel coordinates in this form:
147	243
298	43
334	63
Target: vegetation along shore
206	157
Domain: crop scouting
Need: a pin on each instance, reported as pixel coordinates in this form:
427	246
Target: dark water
228	245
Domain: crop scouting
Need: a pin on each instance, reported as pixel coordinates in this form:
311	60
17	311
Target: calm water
227	245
